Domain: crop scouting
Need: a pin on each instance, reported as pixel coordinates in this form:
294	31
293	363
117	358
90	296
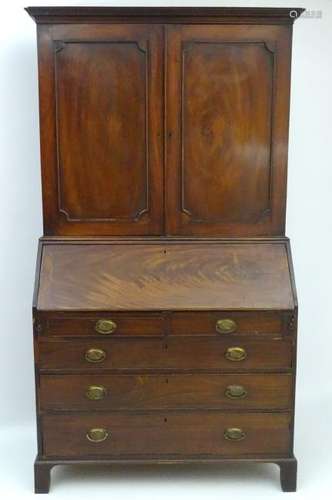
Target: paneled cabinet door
101	91
227	129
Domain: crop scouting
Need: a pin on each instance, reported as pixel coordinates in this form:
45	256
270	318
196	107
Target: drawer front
112	325
230	323
177	323
154	392
198	433
175	354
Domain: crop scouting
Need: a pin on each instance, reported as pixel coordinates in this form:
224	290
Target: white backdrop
309	225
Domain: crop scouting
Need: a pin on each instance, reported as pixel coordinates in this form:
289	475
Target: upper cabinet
163	122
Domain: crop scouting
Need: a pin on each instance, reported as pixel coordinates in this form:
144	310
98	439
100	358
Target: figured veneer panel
165	277
153	392
102	132
196	433
226	110
228	122
101	129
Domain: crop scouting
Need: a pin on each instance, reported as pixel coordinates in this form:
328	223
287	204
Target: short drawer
166	434
111	325
173	354
171	391
231	323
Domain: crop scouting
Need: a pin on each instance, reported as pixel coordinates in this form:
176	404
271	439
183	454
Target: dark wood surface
176	434
173	354
222	15
227	113
164	132
116	136
101	93
82	324
161	277
161	392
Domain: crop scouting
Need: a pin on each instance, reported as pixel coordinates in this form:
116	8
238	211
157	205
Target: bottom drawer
196	433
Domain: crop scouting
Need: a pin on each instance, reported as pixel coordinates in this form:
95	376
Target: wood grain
143	324
160	277
164	131
165	392
101	94
197	433
227	122
174	354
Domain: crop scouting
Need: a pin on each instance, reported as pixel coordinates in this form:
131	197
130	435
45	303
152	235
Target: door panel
227	129
106	160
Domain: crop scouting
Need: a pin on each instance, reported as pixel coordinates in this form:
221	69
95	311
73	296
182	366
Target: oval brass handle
235	392
235	354
105	326
234	434
226	325
96	392
97	435
95	355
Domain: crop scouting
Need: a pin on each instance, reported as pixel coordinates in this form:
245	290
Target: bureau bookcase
165	310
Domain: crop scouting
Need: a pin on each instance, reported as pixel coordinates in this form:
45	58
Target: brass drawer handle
235	354
226	325
95	355
97	435
235	392
96	392
234	434
105	326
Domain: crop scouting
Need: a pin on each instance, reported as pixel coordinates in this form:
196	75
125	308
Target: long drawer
158	392
173	354
198	433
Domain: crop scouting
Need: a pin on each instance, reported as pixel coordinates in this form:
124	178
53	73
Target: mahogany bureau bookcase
165	312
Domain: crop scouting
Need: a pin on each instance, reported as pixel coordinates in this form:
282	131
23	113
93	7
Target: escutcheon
226	325
105	326
235	354
96	392
234	434
97	435
94	355
235	392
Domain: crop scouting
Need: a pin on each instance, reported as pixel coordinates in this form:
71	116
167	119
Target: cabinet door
101	95
227	129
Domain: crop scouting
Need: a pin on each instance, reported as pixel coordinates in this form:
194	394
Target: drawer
198	433
230	323
158	392
175	354
104	326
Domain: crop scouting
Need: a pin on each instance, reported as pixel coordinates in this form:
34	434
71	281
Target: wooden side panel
227	107
102	162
